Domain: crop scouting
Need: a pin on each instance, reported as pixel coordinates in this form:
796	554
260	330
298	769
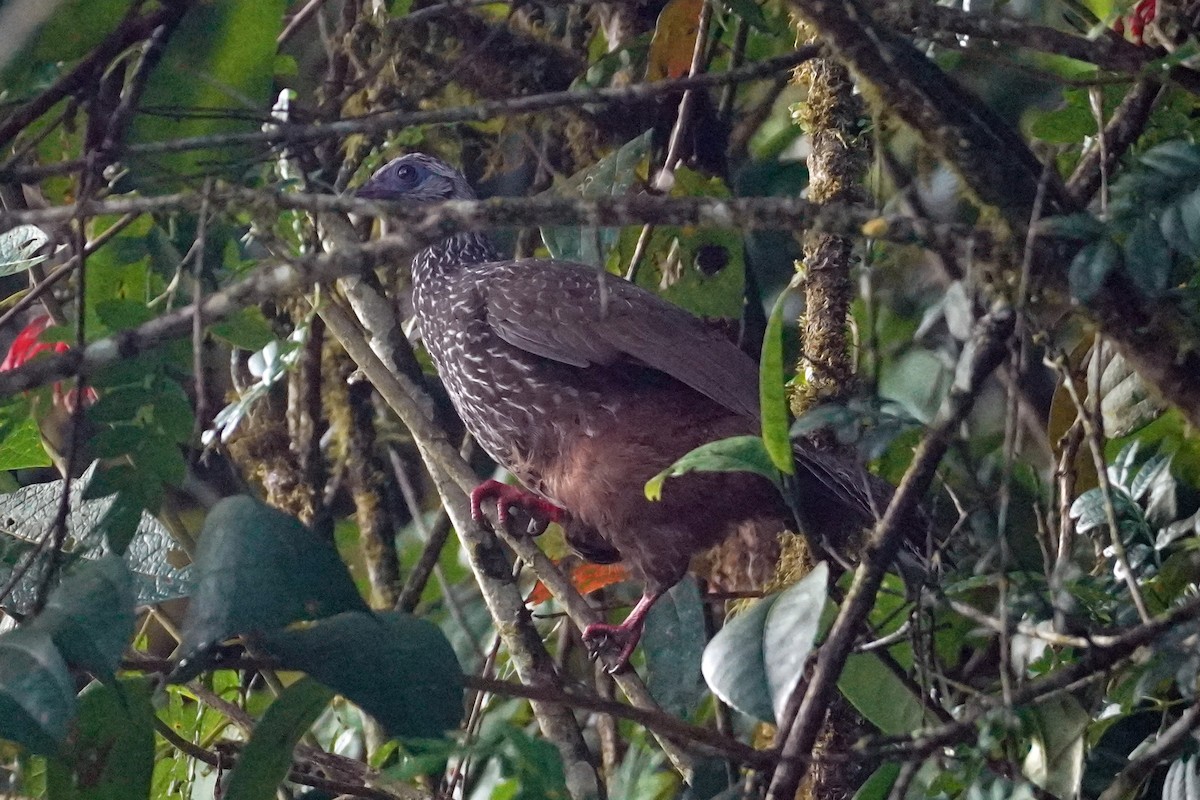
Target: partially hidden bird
584	386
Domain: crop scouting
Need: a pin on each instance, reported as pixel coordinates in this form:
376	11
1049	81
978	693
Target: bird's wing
556	309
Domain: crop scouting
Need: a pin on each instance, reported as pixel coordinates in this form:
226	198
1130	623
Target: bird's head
418	178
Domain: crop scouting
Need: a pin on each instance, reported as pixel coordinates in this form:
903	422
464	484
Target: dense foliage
236	555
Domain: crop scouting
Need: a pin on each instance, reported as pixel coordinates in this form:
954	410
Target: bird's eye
406	173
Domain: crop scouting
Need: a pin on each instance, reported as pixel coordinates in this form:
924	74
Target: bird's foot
600	638
534	512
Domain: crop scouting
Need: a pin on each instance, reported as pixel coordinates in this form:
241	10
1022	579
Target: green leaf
37	695
1177	161
879	785
771	392
736	454
1147	258
399	669
247	330
112	745
1055	758
1091	267
20	442
1081	227
611	176
756	660
267	757
219	61
734	665
673	643
749	11
257	570
881	697
790	631
90	615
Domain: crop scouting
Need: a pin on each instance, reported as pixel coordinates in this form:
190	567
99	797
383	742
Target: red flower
28	344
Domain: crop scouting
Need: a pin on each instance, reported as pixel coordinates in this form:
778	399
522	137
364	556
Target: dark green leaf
673	642
749	11
1091	267
1176	161
37	695
267	757
736	454
399	669
258	570
112	745
90	615
1081	227
1147	258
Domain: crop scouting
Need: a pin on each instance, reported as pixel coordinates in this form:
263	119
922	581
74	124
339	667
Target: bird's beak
369	191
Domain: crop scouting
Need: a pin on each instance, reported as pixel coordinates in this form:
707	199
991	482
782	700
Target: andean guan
584	393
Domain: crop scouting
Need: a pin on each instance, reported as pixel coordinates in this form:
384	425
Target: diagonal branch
983	354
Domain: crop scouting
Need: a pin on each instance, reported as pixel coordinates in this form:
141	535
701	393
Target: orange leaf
587	578
674	40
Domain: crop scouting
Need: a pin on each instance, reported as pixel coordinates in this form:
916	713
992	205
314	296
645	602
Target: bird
584	386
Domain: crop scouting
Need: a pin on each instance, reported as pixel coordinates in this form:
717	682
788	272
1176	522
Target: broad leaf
881	697
258	570
755	662
37	695
734	665
673	643
736	454
112	745
790	631
90	615
399	669
1055	758
156	561
611	176
267	757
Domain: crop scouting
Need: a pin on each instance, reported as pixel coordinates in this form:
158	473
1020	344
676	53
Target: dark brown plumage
585	391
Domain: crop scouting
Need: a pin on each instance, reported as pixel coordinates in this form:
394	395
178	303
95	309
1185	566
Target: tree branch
292	134
981	356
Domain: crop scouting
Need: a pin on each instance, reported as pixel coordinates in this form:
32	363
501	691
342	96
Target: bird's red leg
506	497
599	636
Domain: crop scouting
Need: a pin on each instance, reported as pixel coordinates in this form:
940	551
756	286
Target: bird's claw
534	513
601	639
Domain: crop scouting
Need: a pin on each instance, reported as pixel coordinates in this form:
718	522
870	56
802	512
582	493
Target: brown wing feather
553	309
